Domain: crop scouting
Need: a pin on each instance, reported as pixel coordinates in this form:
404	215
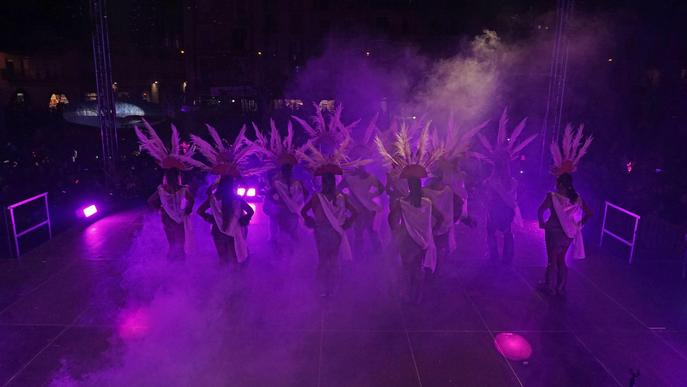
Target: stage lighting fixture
241	191
250	192
89	211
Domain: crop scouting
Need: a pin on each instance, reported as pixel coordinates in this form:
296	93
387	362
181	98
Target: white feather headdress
326	134
411	161
167	158
505	145
572	149
456	142
228	159
327	149
276	150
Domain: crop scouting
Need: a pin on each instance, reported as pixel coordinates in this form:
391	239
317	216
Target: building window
57	99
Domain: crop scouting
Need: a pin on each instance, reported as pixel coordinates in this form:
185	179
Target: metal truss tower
552	123
103	79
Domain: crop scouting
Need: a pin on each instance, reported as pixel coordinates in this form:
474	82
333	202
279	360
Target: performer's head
564	184
172	177
328	182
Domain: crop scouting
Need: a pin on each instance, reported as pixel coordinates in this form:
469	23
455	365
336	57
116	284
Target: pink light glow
241	191
253	206
134	324
250	192
90	210
512	346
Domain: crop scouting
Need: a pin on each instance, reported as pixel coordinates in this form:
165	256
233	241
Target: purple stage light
89	210
250	192
512	346
241	191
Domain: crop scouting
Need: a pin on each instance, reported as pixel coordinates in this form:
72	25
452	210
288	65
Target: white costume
570	216
417	222
336	216
234	230
174	205
443	202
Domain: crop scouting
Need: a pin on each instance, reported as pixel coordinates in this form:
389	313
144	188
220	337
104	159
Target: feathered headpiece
226	159
326	134
568	155
277	150
364	147
456	143
505	146
411	163
327	149
166	158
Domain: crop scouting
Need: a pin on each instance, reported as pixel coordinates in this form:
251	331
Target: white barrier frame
616	236
16	235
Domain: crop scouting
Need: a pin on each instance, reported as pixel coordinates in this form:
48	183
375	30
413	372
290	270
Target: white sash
234	230
418	224
443	202
292	196
173	204
570	218
335	213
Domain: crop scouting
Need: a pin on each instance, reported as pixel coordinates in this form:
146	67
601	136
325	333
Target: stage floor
102	306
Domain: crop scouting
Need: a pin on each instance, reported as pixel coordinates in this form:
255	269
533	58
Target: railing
16	234
604	230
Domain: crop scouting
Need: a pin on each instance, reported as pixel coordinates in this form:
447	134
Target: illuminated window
327	105
54	101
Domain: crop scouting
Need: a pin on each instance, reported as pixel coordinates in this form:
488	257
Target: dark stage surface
101	306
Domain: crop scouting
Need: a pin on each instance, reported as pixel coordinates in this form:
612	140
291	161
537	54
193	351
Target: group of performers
421	217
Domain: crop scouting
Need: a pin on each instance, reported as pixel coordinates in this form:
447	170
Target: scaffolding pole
553	116
103	79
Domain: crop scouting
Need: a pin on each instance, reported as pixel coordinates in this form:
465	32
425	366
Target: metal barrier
616	236
16	234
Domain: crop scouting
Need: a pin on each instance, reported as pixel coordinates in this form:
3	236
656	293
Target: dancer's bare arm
379	188
190	202
587	212
247	212
309	220
202	211
545	205
457	207
352	211
154	200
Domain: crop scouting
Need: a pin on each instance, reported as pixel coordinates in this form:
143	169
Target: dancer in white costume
567	211
502	203
286	195
450	206
329	212
229	214
363	188
412	218
173	199
457	143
